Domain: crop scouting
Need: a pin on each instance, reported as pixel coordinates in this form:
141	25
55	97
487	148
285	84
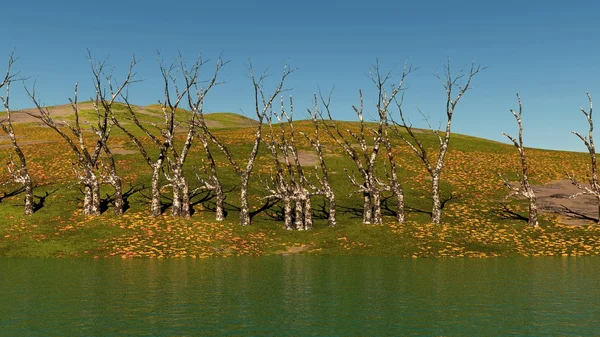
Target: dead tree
18	172
323	187
594	188
156	163
164	140
208	178
524	189
365	157
85	168
289	182
176	160
262	104
434	165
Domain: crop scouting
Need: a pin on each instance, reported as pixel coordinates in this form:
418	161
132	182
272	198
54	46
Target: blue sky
547	51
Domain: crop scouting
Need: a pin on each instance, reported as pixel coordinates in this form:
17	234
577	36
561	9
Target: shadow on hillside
110	198
42	200
577	215
37	205
12	193
319	211
388	207
506	213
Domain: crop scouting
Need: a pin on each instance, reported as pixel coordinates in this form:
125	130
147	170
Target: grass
474	223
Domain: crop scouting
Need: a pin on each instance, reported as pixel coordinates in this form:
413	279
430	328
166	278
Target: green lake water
300	296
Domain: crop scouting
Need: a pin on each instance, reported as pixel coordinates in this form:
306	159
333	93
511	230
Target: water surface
300	296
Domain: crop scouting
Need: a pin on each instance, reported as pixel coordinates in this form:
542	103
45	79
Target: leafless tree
88	158
524	189
18	172
164	140
323	187
262	104
434	165
594	188
289	182
365	157
208	177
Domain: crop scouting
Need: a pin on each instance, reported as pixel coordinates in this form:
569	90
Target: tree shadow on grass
37	205
266	207
12	193
507	214
388	210
110	198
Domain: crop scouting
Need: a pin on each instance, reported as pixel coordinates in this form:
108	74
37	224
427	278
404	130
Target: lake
301	296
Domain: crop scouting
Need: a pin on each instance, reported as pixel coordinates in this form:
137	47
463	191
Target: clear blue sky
547	51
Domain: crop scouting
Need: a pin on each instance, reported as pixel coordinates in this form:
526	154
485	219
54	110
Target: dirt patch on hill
306	158
554	198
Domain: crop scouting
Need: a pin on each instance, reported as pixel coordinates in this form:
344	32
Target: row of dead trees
289	183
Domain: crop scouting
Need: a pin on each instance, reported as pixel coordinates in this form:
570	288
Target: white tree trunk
155	206
244	207
436	210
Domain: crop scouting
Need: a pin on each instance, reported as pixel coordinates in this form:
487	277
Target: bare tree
208	178
18	172
433	165
156	163
165	140
524	189
85	168
176	160
289	182
365	157
262	104
594	188
323	187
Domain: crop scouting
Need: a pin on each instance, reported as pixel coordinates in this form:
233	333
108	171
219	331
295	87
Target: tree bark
308	222
287	214
436	209
367	208
244	206
155	206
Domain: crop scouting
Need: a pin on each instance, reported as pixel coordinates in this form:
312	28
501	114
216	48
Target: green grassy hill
475	223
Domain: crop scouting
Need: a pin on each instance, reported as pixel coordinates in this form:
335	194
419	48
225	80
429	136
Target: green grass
474	224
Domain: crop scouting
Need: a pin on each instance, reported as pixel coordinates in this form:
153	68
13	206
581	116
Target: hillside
477	219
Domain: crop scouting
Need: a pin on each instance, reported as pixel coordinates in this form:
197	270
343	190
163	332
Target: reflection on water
299	296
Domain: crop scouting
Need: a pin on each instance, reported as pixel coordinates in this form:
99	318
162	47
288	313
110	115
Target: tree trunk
28	196
400	207
367	208
377	220
220	213
155	207
116	183
287	214
436	210
244	207
87	200
176	210
308	222
299	220
532	221
185	198
331	221
95	202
